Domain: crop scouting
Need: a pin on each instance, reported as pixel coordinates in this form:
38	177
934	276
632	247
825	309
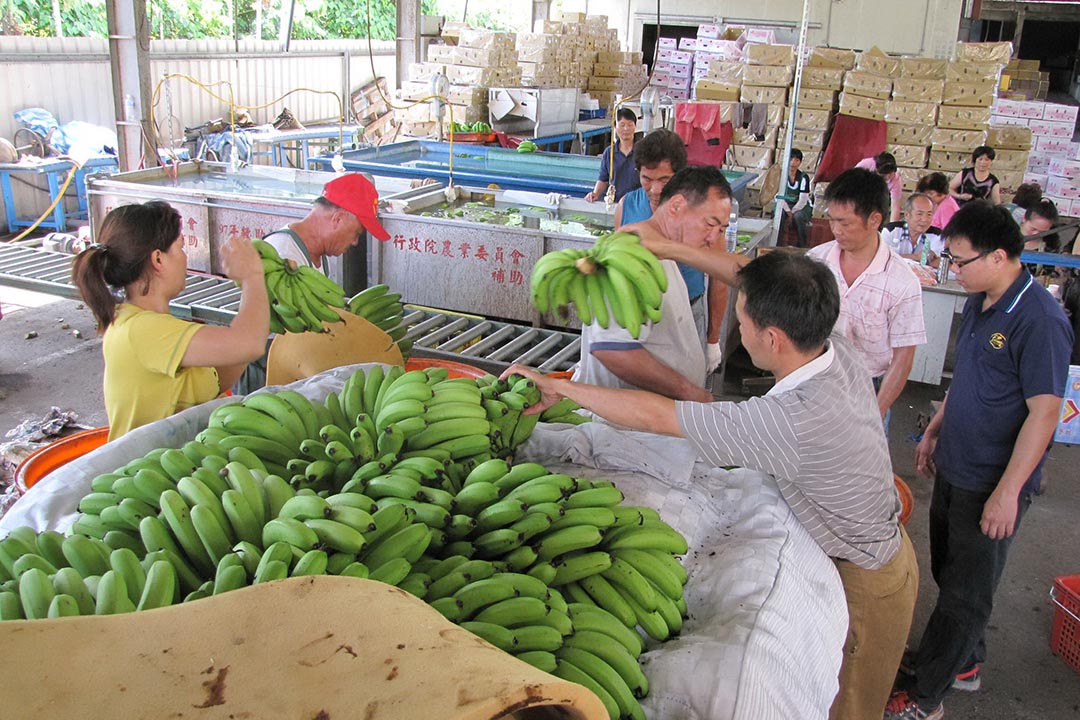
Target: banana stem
586	265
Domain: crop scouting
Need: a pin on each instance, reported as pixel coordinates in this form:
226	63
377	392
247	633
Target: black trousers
967	566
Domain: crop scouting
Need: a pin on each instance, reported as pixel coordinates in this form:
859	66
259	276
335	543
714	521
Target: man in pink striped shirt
881	298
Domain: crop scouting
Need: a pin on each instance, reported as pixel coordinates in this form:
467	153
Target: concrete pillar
407	45
129	60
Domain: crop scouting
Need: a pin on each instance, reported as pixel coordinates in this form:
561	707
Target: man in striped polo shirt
818	431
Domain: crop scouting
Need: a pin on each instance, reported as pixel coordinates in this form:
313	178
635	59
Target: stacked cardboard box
580	40
868	87
473	59
1022	80
1047	129
714	44
767	74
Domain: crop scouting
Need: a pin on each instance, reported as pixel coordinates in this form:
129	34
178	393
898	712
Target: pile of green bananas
395	478
384	310
477	127
301	297
526	146
618	278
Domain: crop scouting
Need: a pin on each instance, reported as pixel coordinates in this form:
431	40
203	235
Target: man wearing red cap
348	205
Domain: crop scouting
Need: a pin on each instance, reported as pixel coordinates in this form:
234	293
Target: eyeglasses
961	263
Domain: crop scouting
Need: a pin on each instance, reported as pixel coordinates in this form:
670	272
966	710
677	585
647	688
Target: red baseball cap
355	193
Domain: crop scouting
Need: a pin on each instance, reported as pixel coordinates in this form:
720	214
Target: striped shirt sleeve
755	434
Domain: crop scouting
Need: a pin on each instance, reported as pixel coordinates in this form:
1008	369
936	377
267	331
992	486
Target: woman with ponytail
156	364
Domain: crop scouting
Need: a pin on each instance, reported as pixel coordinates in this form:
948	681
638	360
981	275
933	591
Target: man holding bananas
817	431
667	358
348	206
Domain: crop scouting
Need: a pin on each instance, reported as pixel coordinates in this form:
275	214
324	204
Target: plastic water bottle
731	235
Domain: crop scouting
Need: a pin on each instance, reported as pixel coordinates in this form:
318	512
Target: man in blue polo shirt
985	447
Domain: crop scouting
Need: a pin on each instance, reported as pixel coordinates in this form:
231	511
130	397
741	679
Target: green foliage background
195	19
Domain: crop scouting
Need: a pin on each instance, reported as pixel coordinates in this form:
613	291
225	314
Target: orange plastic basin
456	369
561	374
42	462
907	500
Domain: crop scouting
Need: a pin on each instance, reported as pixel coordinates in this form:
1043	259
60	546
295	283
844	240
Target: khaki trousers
880	605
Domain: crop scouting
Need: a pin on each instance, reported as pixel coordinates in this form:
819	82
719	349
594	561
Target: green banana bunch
526	146
617	279
384	310
301	297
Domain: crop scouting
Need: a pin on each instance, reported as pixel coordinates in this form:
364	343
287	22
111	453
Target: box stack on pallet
767	76
1022	80
1048	129
912	114
579	42
672	69
964	116
473	60
822	80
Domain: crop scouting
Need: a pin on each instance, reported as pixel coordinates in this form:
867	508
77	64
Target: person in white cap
348	205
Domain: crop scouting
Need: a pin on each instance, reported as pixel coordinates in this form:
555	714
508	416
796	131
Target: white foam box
1008	121
679	83
807	119
1054	145
761	35
1074	209
1036	178
760	94
687	43
958	139
1032	110
1010	138
900	134
700	70
963	118
909	155
1062	167
678	94
1061	113
682	57
1039	162
762	54
1062	187
862	106
708	31
1006	108
823	78
679	71
667	43
1051	128
914	113
663	67
769	75
867	85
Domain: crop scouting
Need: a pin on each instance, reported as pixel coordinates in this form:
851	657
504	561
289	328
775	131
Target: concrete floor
1022	680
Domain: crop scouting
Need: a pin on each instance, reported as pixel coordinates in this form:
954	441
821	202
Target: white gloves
713	356
554	198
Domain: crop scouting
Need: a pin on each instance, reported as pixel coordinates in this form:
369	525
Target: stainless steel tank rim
300	209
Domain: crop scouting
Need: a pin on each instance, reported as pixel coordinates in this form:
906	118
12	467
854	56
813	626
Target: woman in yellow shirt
156	364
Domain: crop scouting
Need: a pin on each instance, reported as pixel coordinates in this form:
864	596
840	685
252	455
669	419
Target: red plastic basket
1065	635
